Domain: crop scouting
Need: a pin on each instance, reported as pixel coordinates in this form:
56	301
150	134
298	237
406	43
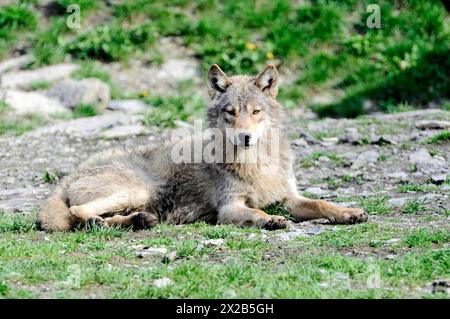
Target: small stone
380	140
351	136
315	191
438	179
392	241
365	158
299	142
124	131
308	138
440	285
432	125
398	202
128	106
169	257
162	282
324	159
72	93
426	163
400	176
24	79
151	251
214	242
22	103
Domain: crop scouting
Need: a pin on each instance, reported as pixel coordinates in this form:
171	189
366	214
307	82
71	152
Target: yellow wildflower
250	46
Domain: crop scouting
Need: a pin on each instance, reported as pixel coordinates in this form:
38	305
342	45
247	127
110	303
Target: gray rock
22	103
128	106
380	140
18	199
432	124
438	179
398	202
76	92
124	131
426	163
24	79
351	136
14	63
367	157
213	242
162	282
308	138
315	191
299	142
176	70
400	176
151	251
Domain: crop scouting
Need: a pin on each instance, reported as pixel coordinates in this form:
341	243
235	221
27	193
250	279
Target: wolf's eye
256	111
231	112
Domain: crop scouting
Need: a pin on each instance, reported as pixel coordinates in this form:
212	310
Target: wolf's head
243	107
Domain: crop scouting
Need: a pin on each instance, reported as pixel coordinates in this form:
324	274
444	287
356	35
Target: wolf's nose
245	137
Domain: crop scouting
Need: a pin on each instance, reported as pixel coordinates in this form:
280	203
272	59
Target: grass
19	126
413	206
314	156
423	237
440	138
40	85
326	45
376	205
84	110
184	105
420	188
250	264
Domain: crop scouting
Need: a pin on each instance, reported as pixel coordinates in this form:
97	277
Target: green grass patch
19	126
40	85
110	42
182	106
424	237
84	110
440	138
414	205
377	205
419	188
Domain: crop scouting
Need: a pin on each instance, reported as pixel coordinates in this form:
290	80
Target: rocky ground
396	166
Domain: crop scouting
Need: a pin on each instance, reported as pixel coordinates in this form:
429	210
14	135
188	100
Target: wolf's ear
267	81
217	80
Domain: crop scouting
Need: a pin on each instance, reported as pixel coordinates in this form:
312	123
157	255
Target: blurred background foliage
324	45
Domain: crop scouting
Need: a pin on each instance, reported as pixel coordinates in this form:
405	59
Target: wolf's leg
306	209
117	202
137	220
239	214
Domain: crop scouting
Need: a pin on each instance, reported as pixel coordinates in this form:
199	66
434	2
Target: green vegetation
182	106
40	85
314	156
84	110
18	126
439	138
423	237
327	45
249	264
414	206
376	205
420	188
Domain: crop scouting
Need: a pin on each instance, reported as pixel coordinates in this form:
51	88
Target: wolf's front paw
144	220
350	216
276	222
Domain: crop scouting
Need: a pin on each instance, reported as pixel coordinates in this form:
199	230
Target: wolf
144	186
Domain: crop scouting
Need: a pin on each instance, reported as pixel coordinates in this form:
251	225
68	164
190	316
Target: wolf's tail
55	214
